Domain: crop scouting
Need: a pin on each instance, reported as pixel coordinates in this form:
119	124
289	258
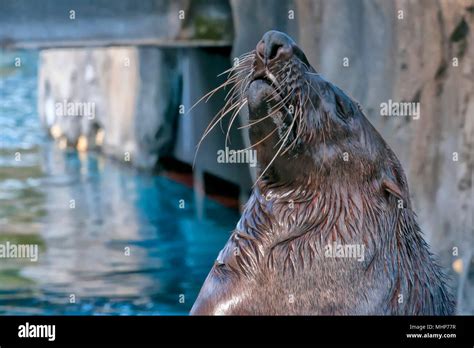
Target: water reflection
113	239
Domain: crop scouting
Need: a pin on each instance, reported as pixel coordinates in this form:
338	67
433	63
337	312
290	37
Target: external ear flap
395	189
344	107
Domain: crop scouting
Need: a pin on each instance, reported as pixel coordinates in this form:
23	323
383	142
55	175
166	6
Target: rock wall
406	51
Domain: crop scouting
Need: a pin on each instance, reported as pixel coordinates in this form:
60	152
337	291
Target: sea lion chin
328	229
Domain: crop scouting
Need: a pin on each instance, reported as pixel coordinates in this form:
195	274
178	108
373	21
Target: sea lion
328	229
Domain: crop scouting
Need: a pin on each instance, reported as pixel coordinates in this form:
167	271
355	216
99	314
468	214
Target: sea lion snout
274	46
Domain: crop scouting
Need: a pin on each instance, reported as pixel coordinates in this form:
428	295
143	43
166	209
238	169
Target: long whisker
234	116
239	76
299	113
247	57
232	80
277	153
211	127
278	89
210	94
278	106
260	141
237	67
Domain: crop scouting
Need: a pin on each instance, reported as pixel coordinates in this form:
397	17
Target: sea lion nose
275	46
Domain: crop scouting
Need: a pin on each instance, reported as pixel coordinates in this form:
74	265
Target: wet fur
306	197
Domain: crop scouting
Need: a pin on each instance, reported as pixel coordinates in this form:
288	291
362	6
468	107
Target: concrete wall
68	23
130	97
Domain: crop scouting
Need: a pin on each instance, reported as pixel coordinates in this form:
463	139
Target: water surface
112	240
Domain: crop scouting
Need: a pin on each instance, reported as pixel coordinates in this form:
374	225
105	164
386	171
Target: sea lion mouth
262	97
267	76
267	80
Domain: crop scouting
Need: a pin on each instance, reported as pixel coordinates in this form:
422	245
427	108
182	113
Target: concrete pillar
121	100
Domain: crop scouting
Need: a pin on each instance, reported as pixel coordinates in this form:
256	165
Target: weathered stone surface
133	92
406	60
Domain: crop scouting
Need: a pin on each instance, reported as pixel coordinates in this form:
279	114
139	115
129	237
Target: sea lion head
303	126
305	130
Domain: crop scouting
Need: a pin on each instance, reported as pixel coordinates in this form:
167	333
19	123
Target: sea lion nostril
274	50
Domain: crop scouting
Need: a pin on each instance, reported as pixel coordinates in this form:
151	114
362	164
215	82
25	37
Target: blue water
125	248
